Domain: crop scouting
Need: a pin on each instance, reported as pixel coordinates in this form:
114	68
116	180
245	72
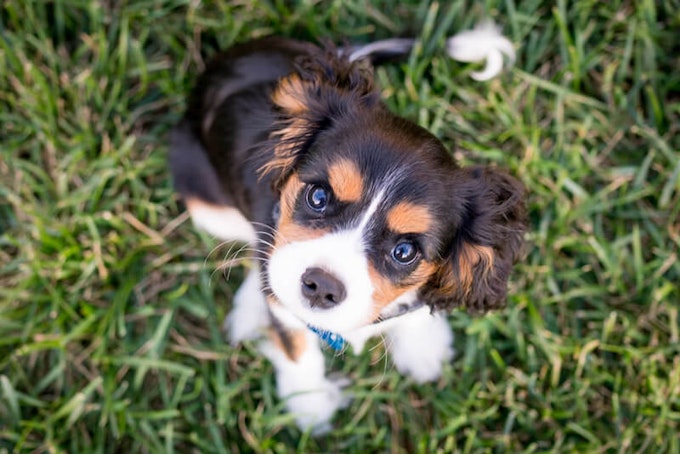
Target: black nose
322	289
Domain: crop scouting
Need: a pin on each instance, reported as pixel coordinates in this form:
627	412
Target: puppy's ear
489	229
324	87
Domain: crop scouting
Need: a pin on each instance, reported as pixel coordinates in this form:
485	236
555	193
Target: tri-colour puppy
360	221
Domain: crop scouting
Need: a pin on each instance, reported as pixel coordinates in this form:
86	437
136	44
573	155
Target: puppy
360	221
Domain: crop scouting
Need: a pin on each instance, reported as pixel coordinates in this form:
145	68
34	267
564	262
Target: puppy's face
373	212
360	227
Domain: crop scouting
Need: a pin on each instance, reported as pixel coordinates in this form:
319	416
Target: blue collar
337	342
333	340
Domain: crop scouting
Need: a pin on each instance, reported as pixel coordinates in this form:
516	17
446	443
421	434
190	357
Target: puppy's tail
483	43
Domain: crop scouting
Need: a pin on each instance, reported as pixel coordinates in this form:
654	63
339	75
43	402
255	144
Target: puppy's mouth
323	308
323	283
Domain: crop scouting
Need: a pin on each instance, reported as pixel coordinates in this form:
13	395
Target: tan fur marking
346	181
471	257
289	194
278	163
385	291
293	343
408	217
289	138
290	95
288	230
292	232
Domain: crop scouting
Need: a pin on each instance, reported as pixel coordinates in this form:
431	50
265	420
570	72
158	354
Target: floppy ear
323	87
488	238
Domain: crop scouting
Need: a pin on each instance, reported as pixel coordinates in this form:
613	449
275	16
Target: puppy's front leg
250	316
300	378
420	344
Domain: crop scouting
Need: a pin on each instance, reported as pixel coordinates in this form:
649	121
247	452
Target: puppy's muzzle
321	289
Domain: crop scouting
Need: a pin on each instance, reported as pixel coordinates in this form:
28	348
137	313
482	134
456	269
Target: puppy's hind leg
212	211
196	180
222	221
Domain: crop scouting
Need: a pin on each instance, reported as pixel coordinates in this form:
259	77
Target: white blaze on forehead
342	254
369	213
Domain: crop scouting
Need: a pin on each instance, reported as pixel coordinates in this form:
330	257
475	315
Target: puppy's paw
309	395
314	408
423	366
243	324
421	348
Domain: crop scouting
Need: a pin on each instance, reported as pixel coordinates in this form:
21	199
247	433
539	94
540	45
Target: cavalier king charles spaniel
360	221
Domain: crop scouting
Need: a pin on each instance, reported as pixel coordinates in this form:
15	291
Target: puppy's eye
405	252
317	198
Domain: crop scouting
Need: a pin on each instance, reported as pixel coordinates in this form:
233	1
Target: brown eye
405	252
317	198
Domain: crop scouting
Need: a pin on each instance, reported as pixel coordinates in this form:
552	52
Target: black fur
237	147
493	215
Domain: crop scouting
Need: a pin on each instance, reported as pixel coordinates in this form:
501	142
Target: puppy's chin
338	255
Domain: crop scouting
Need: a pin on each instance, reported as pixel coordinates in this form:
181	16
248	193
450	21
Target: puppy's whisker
226	264
230	251
262	224
231	254
342	351
260	253
267	230
205	261
270	233
384	357
267	243
231	258
268	238
255	258
212	251
231	262
265	226
384	342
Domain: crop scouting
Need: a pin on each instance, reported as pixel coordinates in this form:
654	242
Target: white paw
310	396
314	408
243	325
250	317
421	346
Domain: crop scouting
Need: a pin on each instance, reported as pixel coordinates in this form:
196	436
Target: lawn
111	303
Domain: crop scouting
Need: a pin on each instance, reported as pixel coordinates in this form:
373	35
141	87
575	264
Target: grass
111	303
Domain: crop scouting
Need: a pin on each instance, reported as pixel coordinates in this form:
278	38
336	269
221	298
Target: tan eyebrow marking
408	217
288	231
346	180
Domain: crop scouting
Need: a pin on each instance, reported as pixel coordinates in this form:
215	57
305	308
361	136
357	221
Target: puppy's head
374	212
